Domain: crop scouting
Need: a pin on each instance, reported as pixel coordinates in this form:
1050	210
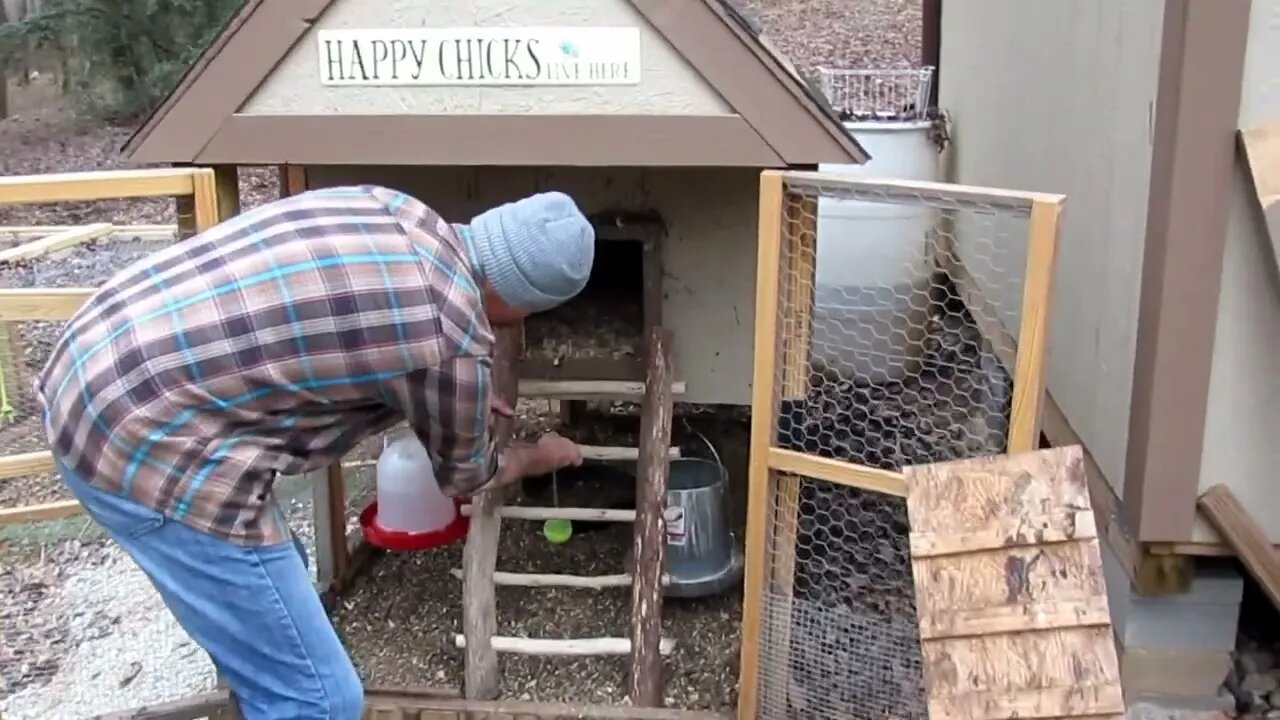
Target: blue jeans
255	610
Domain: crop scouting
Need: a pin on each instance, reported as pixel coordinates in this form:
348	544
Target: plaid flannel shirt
272	344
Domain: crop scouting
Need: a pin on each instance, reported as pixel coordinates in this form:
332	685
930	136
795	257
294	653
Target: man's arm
448	406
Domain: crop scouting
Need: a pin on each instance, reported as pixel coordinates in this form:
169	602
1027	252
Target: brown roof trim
1193	159
781	108
770	97
582	140
225	75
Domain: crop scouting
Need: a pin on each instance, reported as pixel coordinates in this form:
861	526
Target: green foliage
121	57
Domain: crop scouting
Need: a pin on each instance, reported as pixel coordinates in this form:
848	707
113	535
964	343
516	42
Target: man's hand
555	452
500	408
552	452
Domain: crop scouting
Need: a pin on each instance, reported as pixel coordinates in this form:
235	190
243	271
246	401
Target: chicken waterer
410	512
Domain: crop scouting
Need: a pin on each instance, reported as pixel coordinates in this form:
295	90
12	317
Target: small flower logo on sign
569	49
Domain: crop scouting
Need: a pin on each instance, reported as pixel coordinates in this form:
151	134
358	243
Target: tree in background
4	70
120	58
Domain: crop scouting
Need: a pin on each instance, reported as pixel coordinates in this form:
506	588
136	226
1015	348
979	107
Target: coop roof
777	118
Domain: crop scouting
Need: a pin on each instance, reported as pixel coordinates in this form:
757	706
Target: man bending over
273	344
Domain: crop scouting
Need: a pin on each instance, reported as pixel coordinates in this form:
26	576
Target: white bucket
873	265
409	499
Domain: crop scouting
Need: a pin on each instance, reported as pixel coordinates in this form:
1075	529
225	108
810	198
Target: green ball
557	531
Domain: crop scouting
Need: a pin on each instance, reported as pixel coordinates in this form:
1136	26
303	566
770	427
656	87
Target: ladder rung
570	647
606	453
589	389
521	512
588	582
529	512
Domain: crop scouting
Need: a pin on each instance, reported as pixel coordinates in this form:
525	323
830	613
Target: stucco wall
710	255
1242	429
669	85
1057	97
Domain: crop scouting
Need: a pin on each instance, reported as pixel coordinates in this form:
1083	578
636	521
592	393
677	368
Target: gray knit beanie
536	253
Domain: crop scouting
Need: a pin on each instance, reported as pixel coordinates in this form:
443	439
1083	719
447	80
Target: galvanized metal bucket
702	557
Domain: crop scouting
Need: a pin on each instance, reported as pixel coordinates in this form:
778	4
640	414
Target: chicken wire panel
25	346
24	349
838	626
892	348
82	629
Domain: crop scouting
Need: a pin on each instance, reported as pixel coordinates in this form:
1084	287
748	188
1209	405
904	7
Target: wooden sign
1010	595
480	56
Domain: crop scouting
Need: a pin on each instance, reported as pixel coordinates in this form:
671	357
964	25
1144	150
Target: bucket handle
715	455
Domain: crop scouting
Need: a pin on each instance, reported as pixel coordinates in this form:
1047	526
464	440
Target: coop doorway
599	333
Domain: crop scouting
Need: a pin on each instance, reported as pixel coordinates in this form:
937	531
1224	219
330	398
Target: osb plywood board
1262	154
1012	606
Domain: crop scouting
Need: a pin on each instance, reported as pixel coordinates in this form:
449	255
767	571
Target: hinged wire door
897	324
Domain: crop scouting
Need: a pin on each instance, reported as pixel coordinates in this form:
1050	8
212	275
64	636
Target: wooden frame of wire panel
198	187
774	472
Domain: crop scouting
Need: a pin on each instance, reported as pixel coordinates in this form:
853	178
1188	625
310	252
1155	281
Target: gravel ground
872	34
84	632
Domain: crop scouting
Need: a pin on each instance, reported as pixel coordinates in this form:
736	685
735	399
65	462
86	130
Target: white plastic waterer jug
409	500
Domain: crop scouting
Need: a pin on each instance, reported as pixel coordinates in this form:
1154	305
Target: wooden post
763	416
185	207
14	371
651	278
649	537
798	268
1033	337
480	555
293	180
226	180
336	508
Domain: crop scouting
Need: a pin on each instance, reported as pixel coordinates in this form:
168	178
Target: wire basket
886	95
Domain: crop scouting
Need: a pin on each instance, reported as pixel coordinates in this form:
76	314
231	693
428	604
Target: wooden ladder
479	573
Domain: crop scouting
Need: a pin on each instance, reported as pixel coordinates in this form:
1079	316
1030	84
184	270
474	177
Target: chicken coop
657	118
